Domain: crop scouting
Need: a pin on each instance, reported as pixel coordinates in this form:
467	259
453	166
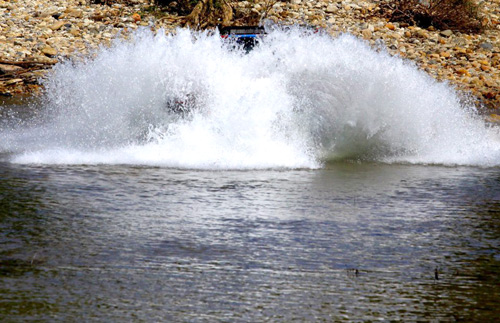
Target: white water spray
296	101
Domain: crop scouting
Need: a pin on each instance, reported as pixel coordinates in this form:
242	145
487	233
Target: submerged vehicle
241	39
238	37
245	37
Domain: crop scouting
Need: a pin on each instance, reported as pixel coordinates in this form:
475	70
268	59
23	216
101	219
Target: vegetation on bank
458	15
201	14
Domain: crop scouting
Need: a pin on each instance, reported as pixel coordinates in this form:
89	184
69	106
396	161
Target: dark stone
486	46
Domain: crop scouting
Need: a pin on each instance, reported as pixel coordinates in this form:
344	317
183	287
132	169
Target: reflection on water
350	242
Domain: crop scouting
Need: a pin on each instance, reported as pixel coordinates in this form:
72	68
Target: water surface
312	179
349	242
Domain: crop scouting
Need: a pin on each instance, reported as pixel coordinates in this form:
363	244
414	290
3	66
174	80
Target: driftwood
25	71
26	64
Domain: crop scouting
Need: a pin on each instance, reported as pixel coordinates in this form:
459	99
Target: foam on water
297	100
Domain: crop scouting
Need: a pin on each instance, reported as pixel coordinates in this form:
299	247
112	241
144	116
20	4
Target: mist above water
298	100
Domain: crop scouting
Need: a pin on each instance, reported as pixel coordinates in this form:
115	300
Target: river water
312	179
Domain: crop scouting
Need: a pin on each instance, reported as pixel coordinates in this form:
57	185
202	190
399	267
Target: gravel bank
35	34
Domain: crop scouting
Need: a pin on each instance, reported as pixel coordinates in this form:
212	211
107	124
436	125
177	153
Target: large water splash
297	100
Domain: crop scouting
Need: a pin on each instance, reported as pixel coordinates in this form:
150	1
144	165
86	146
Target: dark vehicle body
238	38
245	36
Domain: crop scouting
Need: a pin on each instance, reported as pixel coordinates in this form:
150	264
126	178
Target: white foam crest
295	101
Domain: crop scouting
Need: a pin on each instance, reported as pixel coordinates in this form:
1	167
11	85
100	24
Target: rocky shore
35	35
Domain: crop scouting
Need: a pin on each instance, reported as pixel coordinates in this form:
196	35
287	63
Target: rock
58	25
45	59
367	34
445	54
98	16
460	41
446	33
49	51
476	65
136	17
10	69
486	46
422	33
476	81
75	32
494	118
331	8
390	26
75	13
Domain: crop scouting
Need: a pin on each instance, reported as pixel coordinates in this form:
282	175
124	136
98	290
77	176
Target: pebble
57	25
446	33
367	34
332	8
49	51
486	46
